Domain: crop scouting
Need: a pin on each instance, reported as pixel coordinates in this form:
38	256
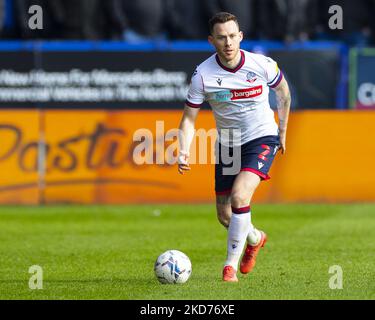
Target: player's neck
231	64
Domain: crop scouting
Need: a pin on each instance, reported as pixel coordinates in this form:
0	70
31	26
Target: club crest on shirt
251	77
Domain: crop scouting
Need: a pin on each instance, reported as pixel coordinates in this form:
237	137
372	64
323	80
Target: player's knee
239	199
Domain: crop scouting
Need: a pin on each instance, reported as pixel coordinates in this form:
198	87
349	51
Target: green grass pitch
108	252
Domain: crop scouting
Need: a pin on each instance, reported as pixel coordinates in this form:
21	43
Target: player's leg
261	153
223	209
223	189
224	213
255	241
239	227
254	234
254	237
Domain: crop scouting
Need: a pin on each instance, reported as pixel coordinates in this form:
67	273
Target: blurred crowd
140	20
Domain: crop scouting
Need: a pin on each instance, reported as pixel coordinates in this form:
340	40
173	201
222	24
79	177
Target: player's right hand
183	164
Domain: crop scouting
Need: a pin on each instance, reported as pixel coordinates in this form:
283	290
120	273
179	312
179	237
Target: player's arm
283	106
186	134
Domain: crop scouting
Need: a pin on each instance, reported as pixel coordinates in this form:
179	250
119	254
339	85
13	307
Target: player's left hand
183	164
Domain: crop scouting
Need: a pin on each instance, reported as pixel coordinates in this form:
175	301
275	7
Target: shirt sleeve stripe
274	79
280	77
192	105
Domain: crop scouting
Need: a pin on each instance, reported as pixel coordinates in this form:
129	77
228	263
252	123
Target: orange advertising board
89	159
19	132
100	157
106	168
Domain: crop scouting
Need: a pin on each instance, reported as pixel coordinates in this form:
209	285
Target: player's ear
241	35
210	39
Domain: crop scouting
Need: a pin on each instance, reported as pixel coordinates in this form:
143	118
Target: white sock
238	230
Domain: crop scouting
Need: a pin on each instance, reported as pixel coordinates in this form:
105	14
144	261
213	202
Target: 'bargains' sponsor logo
238	94
247	93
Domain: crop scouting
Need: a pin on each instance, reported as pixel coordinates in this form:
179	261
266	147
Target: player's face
226	38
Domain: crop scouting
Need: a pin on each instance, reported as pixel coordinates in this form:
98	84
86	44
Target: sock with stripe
238	230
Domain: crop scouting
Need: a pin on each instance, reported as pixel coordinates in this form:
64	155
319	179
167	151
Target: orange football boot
229	274
250	255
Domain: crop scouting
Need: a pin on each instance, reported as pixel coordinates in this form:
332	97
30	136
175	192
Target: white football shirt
238	97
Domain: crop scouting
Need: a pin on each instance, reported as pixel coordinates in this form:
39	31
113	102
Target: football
173	266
